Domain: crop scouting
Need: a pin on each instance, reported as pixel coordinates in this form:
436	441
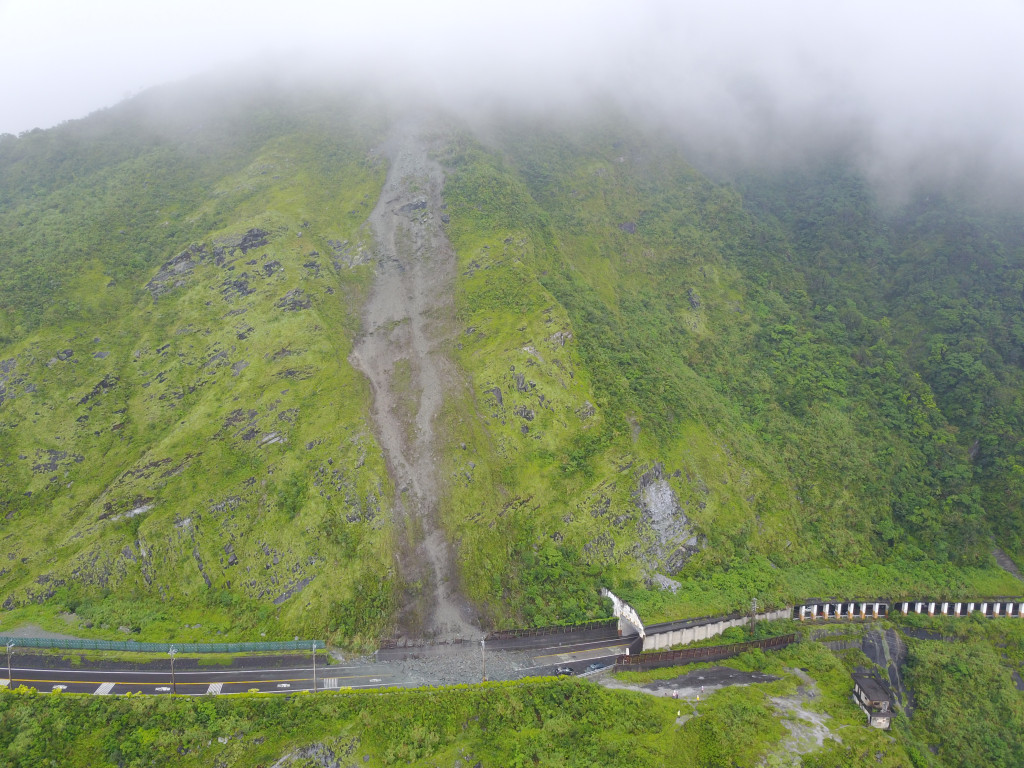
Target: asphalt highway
201	682
396	667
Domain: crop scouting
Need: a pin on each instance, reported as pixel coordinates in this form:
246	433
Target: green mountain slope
800	445
696	393
186	443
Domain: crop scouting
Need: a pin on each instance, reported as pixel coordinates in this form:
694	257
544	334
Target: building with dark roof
873	696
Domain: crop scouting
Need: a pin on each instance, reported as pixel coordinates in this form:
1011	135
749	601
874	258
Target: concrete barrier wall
711	628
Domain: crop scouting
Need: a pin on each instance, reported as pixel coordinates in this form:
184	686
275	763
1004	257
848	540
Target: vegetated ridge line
406	320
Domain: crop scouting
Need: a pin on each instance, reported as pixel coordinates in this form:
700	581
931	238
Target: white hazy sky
901	72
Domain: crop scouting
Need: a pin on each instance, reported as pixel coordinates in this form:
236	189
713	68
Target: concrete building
872	695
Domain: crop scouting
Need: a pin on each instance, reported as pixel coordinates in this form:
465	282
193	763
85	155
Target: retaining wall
683	632
644	661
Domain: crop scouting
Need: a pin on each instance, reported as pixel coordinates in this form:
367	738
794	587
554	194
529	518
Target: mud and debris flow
406	323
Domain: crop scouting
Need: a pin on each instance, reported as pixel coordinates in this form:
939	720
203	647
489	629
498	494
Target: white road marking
214	688
59	687
184	675
330	682
104	689
162	689
4	682
283	685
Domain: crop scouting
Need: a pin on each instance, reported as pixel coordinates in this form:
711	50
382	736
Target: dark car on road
560	671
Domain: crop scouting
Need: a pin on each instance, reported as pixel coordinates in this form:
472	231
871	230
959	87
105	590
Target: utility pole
483	658
171	651
314	667
10	678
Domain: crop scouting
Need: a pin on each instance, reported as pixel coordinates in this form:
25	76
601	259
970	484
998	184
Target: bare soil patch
807	729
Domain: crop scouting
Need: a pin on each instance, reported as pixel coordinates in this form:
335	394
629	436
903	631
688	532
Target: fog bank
921	88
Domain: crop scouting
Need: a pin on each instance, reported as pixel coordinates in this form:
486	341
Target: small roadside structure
873	696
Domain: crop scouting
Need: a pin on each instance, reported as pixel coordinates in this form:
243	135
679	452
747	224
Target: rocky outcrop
294	301
173	272
675	540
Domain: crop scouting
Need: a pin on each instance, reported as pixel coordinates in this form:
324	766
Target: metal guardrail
132	645
645	661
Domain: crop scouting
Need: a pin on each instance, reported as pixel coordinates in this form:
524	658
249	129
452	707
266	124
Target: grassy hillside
184	445
768	390
673	400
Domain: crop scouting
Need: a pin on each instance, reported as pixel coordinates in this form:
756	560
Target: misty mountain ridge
695	387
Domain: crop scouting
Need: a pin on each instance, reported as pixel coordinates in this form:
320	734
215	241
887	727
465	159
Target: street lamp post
483	659
314	667
171	651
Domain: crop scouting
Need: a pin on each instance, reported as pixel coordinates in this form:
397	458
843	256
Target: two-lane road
396	667
201	682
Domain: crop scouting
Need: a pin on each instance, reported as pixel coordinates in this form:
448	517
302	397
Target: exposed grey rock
497	395
293	590
230	503
344	255
293	301
252	239
216	359
50	460
664	582
173	272
525	413
662	513
315	755
413	207
107	382
231	289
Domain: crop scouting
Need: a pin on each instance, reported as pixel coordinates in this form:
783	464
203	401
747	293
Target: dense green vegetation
966	707
546	722
181	435
670	332
770	388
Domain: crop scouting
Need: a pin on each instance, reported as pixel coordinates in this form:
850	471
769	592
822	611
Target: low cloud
911	88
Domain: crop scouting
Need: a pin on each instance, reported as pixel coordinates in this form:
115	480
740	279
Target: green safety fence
132	645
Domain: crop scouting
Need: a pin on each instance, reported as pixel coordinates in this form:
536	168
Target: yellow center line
581	650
